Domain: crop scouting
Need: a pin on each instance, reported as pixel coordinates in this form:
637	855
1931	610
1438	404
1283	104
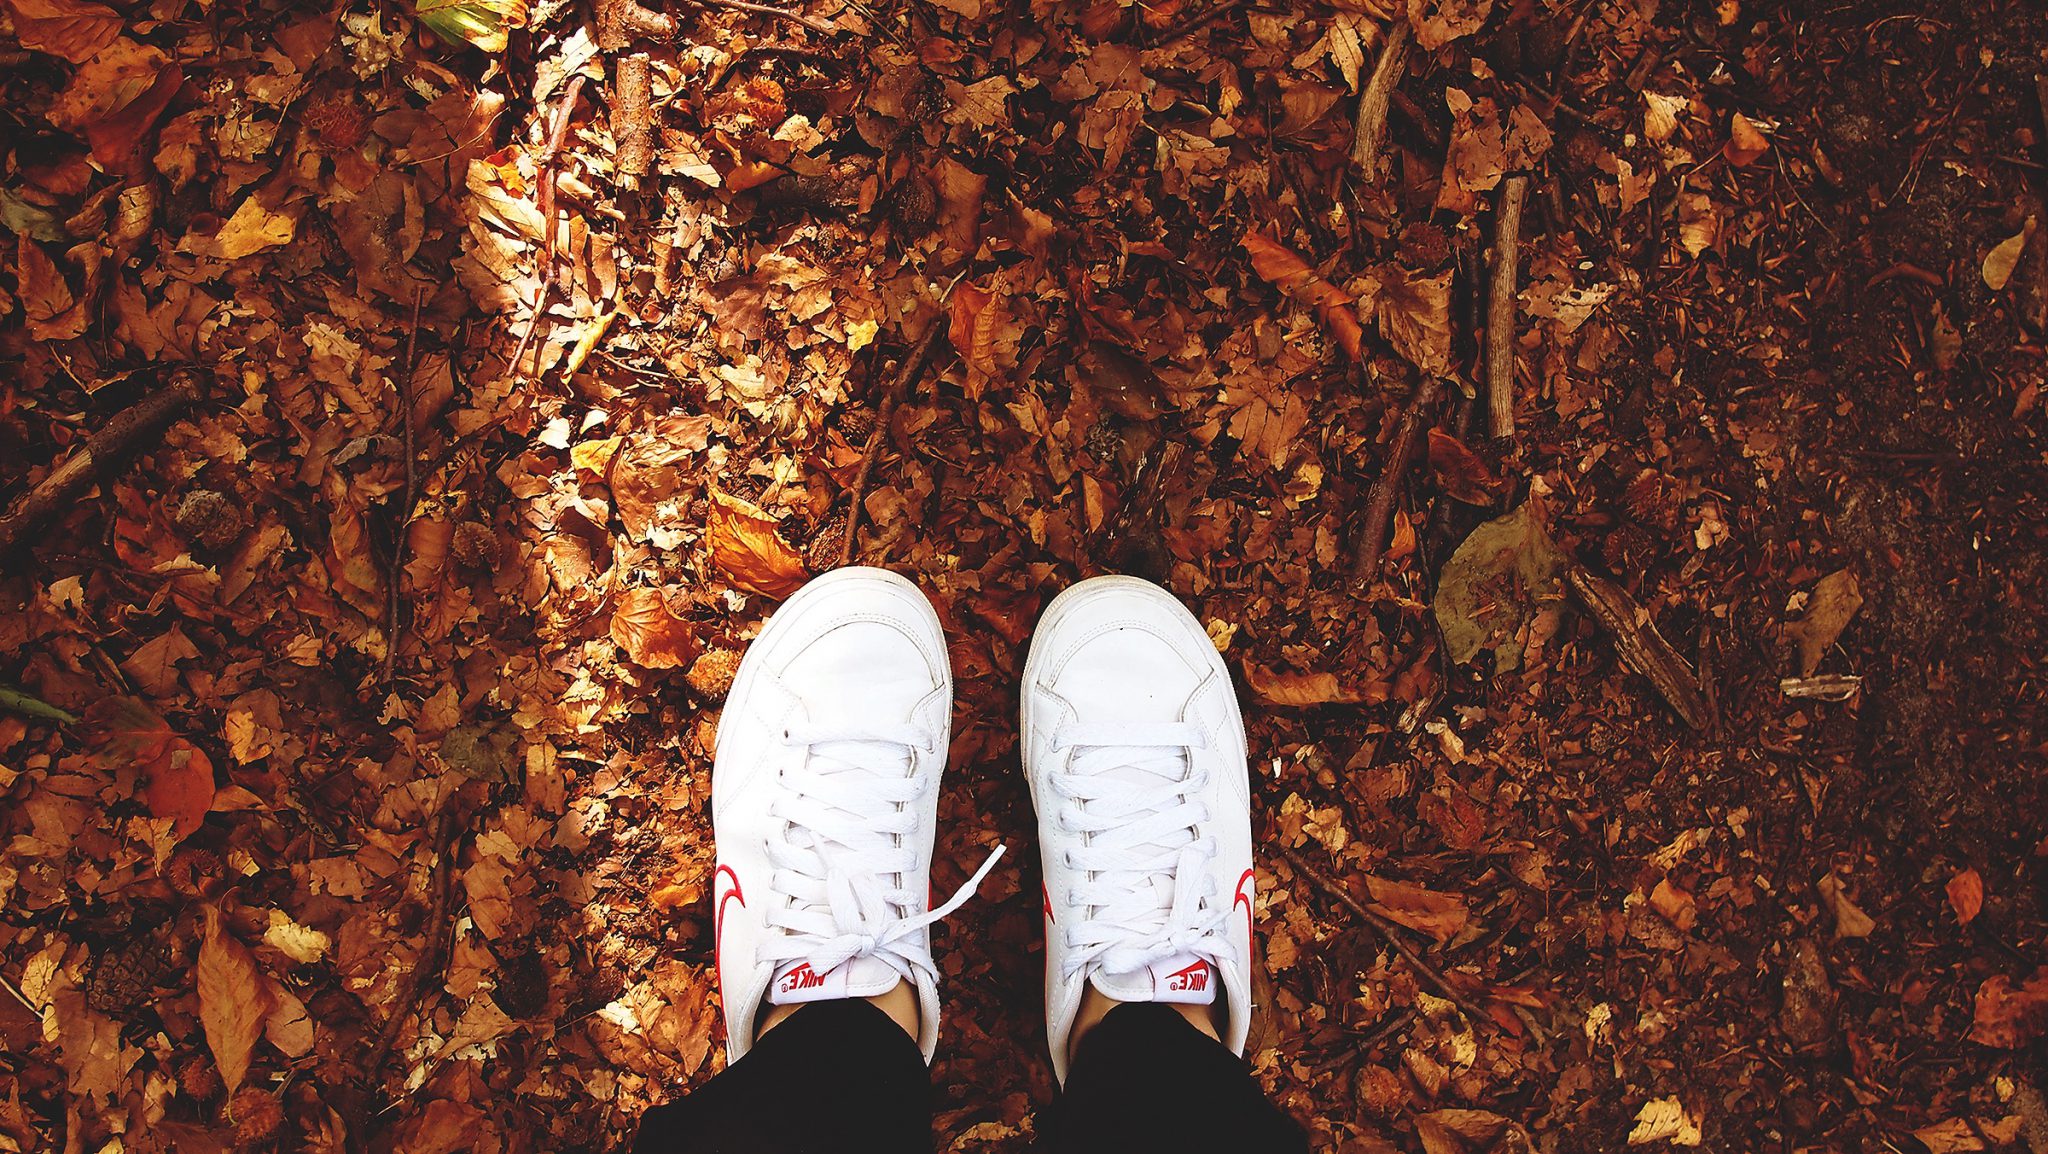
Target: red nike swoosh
718	917
1245	900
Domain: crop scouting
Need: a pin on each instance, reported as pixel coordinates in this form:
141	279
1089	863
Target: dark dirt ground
1830	385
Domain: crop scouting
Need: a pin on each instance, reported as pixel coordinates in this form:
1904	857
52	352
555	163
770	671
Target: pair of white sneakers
825	801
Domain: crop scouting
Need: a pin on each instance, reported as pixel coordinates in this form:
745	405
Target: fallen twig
884	409
1642	648
16	701
1379	504
621	23
427	970
101	453
1500	312
1387	931
1369	137
557	133
811	22
394	623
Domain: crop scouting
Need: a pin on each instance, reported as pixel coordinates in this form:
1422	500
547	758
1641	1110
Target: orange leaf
45	297
1414	313
174	777
649	633
233	1001
1459	471
1280	267
744	544
1440	915
2007	1018
1746	142
1966	895
972	329
64	28
1285	688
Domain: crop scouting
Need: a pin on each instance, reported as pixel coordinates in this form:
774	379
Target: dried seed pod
711	675
475	546
256	1114
208	517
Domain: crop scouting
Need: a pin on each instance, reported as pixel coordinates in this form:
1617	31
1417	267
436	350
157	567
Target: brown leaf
744	544
1850	920
1280	267
1958	1135
1834	601
64	28
651	635
1414	314
175	778
1467	1132
1966	895
1288	688
960	190
234	1000
46	299
972	329
2004	257
1746	142
1438	22
1675	904
1440	915
1459	471
2009	1018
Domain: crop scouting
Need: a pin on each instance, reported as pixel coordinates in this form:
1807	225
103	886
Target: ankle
899	1003
1095	1005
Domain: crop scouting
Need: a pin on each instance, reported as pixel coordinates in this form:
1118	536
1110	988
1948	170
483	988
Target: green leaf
1502	576
483	23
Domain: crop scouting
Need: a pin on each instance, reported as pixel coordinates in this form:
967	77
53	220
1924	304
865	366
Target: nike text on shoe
1135	752
824	801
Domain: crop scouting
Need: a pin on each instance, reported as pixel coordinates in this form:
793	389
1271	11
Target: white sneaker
1135	752
824	802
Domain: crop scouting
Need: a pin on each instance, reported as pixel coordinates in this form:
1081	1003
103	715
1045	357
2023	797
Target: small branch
1387	931
912	365
1642	648
1379	504
1370	135
1500	312
620	24
824	27
394	622
26	705
100	455
435	952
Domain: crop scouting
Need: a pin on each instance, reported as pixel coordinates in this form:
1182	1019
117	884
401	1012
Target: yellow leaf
482	23
251	229
1665	1120
2005	257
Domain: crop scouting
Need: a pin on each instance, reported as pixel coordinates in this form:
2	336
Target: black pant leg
835	1076
1145	1080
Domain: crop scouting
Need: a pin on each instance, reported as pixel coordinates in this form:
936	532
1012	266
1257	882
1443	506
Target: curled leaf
652	636
1850	920
1287	688
1438	914
1282	268
745	545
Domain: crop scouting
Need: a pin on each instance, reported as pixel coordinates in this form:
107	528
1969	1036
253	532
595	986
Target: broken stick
884	410
1387	930
1500	311
1642	648
1370	134
1379	503
100	454
621	24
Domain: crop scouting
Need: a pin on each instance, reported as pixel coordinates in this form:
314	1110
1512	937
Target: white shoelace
849	812
1139	839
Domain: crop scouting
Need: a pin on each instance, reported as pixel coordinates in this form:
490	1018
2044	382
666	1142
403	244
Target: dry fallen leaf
1746	141
1280	267
234	1000
744	544
1675	904
1280	687
1833	602
1438	22
1966	895
976	314
64	28
1665	1120
1850	920
2004	257
652	636
1501	578
1959	1135
1440	915
2008	1018
174	777
1414	314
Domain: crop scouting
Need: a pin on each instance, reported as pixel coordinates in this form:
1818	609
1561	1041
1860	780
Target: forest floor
357	728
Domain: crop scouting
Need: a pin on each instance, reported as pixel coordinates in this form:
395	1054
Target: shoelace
849	809
1137	833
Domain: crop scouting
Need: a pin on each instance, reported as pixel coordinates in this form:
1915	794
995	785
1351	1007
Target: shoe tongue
1188	979
797	982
